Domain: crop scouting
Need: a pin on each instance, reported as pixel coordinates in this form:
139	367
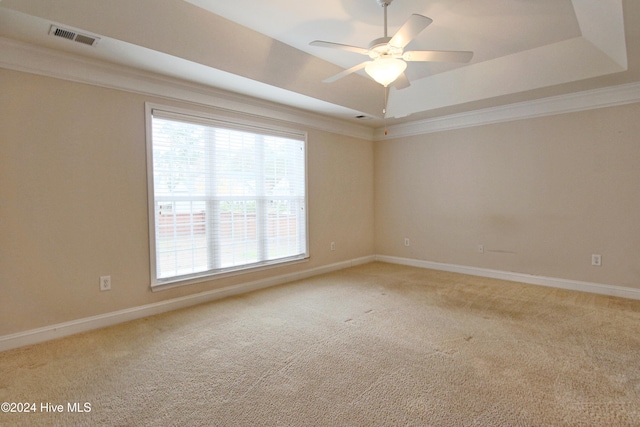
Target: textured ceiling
523	49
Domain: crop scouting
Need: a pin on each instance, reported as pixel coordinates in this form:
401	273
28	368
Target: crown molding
28	58
24	57
569	103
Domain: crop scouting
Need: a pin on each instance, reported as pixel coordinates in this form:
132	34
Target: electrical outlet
105	283
333	246
406	241
596	260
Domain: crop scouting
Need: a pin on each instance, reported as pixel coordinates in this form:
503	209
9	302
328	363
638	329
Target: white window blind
223	196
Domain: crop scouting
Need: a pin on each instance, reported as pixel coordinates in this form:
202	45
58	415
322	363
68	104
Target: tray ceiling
523	49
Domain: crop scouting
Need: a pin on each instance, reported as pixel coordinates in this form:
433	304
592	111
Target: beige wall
541	195
73	202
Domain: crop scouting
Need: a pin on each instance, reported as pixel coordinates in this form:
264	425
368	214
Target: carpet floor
373	345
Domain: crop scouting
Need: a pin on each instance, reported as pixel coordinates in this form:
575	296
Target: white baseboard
64	329
595	288
60	330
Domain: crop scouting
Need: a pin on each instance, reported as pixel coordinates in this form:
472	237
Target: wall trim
59	330
24	57
574	102
28	58
574	285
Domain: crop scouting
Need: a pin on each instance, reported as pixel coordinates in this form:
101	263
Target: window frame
259	125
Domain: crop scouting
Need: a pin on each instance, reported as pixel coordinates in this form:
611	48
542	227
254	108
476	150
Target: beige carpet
374	345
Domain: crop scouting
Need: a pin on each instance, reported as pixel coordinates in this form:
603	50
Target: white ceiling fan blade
346	72
437	55
331	45
409	30
401	82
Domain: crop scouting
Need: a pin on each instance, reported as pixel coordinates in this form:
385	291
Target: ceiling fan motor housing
381	47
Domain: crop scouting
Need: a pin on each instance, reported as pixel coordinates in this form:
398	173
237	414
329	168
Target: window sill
207	276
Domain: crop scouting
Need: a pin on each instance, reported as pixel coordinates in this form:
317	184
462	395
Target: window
223	196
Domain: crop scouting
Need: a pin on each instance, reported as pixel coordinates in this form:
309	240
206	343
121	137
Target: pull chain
384	109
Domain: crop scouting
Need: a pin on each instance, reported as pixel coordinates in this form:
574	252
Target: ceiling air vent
73	35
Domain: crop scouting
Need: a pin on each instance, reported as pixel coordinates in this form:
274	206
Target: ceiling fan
388	58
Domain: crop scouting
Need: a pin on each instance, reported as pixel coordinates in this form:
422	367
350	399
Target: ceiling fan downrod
384	4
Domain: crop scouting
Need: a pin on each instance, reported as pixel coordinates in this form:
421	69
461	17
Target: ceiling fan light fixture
385	70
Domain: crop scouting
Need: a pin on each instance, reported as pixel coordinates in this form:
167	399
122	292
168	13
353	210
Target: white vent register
73	35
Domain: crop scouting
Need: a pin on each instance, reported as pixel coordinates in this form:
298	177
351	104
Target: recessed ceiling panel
261	48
